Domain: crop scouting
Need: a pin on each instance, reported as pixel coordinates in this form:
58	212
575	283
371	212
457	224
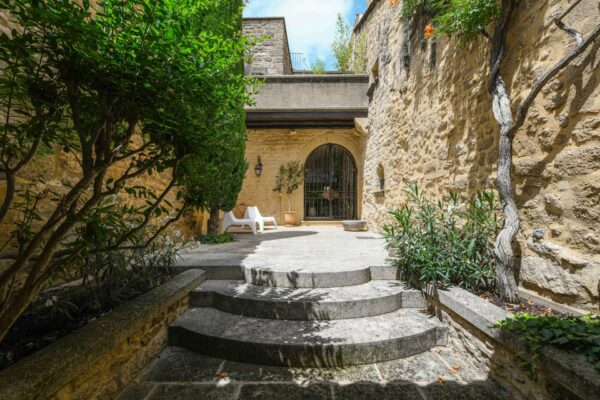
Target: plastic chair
252	212
231	220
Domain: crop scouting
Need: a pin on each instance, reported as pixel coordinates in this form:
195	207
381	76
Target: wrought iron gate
330	184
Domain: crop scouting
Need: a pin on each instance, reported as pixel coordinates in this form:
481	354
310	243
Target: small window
373	79
381	176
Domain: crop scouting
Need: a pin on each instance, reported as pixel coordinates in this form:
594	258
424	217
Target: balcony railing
299	62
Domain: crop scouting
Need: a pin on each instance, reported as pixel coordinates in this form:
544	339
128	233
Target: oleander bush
444	243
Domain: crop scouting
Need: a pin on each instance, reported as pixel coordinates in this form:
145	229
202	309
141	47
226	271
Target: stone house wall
271	56
430	122
277	147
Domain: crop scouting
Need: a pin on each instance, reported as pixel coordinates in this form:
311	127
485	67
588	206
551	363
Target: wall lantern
258	168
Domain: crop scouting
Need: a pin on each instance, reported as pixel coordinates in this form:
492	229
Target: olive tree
90	80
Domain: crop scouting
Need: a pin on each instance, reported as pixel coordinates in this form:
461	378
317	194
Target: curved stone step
368	299
307	277
307	343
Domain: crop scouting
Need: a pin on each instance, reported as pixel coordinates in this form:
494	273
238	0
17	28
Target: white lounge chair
231	220
253	213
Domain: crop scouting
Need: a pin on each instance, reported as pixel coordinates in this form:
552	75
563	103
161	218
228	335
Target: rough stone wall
494	360
277	147
118	368
430	122
271	56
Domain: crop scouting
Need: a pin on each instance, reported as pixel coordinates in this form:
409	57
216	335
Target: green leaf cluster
444	243
318	67
578	334
342	46
215	239
130	89
463	18
289	177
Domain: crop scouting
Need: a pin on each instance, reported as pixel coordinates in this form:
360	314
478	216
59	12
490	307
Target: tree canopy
127	88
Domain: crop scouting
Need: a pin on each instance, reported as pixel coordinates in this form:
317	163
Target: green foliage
288	179
91	80
107	281
214	178
578	334
358	62
464	18
215	239
443	243
318	67
342	46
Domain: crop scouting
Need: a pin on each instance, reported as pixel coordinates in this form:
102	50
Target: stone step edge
299	309
236	272
303	355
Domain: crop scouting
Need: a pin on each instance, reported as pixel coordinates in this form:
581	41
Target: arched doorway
330	184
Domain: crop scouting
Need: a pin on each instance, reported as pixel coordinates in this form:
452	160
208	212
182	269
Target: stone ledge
47	371
569	370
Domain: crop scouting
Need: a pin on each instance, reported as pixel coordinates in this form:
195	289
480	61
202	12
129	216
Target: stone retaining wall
430	122
99	360
560	375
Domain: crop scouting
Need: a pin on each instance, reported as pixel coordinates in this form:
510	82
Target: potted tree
288	179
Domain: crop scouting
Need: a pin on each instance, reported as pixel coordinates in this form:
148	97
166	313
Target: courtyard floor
297	256
307	248
441	373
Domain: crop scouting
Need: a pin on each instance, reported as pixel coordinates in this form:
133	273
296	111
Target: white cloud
311	24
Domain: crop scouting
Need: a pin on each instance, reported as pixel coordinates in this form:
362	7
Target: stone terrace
312	313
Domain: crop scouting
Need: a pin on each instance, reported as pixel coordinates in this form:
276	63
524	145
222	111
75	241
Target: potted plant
288	179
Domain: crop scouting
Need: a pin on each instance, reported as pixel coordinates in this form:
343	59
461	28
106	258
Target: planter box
104	356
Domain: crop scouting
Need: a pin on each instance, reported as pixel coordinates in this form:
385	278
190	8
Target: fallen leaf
454	369
441	381
438	350
222	374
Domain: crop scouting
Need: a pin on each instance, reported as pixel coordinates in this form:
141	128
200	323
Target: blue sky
310	23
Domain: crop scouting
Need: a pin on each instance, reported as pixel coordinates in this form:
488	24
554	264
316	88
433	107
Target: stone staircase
297	318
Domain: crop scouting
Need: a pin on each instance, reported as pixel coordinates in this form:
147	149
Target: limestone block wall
271	56
277	147
430	122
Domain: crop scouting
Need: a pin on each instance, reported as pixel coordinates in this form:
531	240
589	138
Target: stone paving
326	261
440	373
311	248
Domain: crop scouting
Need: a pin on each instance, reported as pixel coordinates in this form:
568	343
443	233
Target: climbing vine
579	334
466	20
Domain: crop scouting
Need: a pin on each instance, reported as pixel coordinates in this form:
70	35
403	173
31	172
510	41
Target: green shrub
444	243
578	334
465	18
106	281
215	239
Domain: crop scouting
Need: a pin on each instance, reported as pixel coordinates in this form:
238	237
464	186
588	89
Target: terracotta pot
289	217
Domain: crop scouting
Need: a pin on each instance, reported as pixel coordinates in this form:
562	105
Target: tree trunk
503	250
213	221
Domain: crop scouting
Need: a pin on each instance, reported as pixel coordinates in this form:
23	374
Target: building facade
312	119
423	116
